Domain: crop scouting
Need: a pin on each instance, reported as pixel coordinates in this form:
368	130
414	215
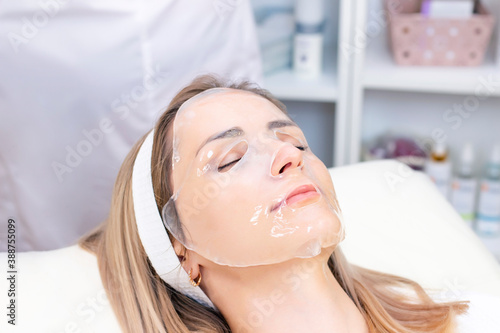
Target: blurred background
417	81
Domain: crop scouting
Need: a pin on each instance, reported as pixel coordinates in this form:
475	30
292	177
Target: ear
187	259
180	250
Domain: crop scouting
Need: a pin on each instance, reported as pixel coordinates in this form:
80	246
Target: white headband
152	232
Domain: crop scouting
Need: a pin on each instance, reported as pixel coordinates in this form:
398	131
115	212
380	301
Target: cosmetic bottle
464	186
308	38
488	213
438	168
458	9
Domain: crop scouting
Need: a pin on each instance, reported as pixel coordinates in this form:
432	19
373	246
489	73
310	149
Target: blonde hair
143	302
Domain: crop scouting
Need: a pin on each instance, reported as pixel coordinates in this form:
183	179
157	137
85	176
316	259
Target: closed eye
233	156
295	139
227	165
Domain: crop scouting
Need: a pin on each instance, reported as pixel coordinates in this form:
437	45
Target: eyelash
228	164
301	148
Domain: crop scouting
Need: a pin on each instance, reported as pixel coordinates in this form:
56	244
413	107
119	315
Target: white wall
317	121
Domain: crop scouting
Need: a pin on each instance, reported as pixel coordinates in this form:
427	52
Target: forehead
221	109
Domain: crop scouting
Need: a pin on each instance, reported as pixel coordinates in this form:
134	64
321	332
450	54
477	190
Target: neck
300	295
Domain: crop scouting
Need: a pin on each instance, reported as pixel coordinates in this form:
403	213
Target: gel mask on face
246	188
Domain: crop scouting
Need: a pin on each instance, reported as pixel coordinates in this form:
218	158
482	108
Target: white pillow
396	222
58	291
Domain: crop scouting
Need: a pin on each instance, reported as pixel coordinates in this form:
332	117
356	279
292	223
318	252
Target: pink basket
424	41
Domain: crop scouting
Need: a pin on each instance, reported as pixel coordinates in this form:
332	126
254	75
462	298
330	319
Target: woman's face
247	188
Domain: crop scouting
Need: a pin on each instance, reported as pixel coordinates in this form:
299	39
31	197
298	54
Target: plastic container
308	39
464	186
488	213
438	168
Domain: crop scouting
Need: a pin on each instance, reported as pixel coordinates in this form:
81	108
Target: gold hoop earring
193	282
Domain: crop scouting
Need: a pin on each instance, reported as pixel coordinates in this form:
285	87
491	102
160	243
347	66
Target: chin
327	225
330	233
328	251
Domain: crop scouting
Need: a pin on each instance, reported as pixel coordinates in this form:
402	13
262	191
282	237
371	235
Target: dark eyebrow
281	123
237	131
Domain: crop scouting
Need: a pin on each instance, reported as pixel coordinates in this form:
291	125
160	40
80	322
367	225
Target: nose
288	157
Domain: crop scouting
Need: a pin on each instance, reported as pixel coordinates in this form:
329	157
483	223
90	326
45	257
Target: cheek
217	203
324	179
321	173
236	201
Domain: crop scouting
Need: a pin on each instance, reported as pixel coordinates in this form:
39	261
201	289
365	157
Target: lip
299	194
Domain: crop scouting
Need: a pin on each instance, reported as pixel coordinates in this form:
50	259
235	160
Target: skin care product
464	186
438	167
488	213
308	39
448	8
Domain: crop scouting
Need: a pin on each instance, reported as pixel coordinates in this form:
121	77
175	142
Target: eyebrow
238	131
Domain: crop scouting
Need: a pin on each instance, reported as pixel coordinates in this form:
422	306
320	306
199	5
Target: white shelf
373	68
285	84
382	73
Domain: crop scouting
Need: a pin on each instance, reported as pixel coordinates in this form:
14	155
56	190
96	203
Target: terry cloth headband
151	230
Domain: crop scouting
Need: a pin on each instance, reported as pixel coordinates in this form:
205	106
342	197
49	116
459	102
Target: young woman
251	218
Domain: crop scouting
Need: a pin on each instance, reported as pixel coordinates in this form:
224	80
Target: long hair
143	302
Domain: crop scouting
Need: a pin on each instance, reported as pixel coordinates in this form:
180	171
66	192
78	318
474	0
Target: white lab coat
81	82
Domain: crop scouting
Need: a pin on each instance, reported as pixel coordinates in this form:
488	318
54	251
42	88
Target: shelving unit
382	73
327	91
375	72
416	100
286	85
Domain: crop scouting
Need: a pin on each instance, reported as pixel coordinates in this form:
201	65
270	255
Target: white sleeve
81	82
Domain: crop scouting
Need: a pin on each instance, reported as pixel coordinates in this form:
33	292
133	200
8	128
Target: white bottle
438	167
308	39
464	186
488	213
